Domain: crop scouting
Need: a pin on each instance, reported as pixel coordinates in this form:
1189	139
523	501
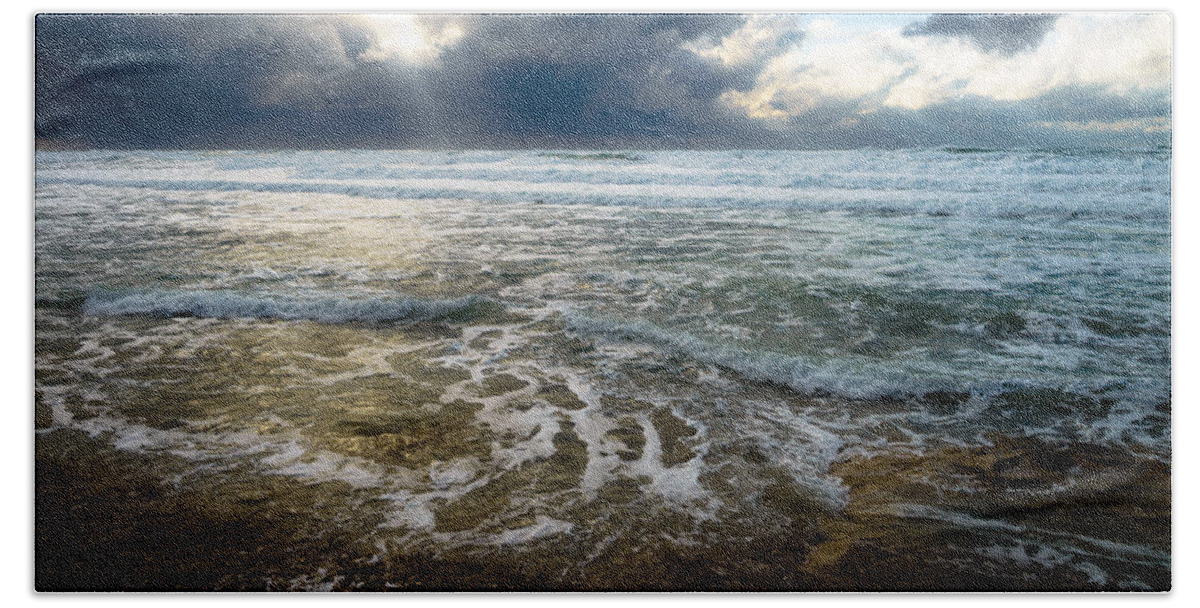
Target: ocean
465	370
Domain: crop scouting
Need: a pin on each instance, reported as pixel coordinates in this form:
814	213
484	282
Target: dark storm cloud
130	81
185	80
570	80
550	81
1006	33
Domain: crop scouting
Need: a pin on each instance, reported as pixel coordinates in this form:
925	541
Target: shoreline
105	523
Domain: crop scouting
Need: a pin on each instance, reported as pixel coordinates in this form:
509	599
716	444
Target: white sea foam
228	305
544	527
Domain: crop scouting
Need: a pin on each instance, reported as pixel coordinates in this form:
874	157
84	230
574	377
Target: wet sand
105	522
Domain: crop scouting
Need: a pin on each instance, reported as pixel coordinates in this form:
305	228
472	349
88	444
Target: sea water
505	353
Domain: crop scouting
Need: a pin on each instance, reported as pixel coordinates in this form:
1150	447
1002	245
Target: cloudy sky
603	81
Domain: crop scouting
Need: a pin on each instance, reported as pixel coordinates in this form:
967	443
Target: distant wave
899	196
592	156
947	182
325	309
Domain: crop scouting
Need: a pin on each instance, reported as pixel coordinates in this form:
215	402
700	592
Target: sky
656	81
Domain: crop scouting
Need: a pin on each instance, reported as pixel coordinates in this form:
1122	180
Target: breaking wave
324	309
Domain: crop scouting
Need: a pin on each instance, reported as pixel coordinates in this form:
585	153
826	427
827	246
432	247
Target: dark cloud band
1006	33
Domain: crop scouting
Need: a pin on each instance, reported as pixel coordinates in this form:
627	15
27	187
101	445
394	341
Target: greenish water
404	370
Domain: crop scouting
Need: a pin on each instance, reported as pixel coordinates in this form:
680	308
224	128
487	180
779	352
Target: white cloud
1115	53
759	37
407	38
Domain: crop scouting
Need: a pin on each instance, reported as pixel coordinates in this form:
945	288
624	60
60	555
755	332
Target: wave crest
325	309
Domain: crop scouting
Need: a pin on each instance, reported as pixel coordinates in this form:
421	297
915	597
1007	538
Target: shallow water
789	370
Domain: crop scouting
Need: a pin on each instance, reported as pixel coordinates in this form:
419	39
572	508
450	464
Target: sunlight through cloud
407	38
